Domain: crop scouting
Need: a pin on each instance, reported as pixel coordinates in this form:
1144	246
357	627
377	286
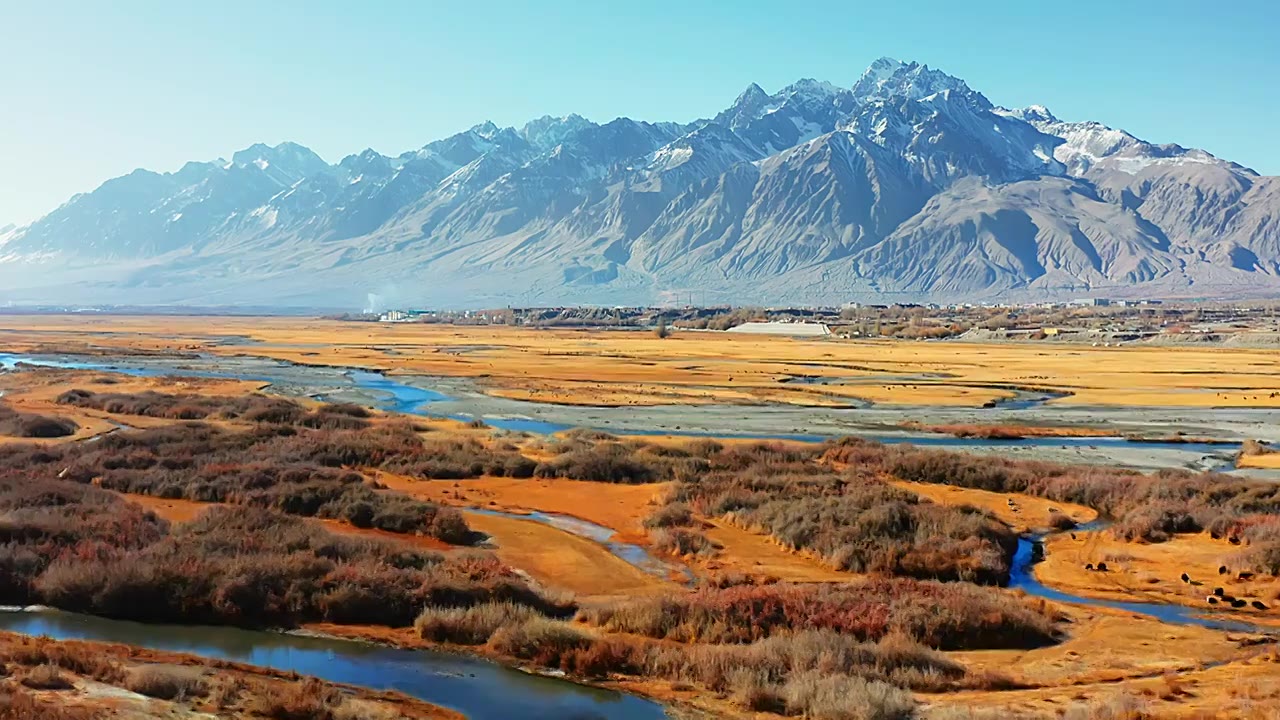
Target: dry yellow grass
37	392
760	557
558	559
1152	572
637	368
1026	513
1267	461
621	508
1112	654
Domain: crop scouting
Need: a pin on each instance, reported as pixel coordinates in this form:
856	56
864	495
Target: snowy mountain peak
891	78
810	88
486	129
547	131
879	72
1031	113
288	161
748	106
752	95
910	183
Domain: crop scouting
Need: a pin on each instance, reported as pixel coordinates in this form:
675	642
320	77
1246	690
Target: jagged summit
907	185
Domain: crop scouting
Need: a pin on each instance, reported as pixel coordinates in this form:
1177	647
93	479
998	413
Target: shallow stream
479	689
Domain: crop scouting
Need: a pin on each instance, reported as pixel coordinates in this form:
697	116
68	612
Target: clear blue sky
90	90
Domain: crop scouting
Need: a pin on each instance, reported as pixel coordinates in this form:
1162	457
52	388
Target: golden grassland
37	392
1266	461
759	557
555	558
1115	662
564	561
1021	512
1173	671
621	508
618	367
1153	572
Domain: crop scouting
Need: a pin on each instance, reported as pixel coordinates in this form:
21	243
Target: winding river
1022	577
480	689
395	396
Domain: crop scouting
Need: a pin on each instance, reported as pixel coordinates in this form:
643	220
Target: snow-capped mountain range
907	186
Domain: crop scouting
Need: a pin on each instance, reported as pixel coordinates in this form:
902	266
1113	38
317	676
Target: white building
794	329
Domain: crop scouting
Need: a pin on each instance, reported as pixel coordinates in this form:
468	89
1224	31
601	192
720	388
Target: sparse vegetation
29	425
45	677
166	683
940	615
1147	507
293	470
851	519
57	671
81	548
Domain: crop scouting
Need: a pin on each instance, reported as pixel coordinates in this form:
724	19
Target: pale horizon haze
92	91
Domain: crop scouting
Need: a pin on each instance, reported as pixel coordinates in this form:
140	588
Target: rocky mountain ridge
907	186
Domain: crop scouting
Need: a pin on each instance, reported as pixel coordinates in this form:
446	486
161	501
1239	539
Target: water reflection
479	689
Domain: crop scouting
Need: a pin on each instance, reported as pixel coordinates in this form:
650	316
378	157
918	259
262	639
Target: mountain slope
906	185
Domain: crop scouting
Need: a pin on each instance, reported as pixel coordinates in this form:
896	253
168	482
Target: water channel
477	688
1022	577
400	397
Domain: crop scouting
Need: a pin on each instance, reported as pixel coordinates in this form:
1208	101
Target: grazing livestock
1218	592
1258	604
1245	576
1222	569
1212	600
1102	567
1088	566
1238	603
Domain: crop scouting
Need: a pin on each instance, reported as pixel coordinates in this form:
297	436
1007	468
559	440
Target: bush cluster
812	673
81	548
850	518
299	471
14	423
949	616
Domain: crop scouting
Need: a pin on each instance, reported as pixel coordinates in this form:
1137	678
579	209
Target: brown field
1025	514
182	511
175	510
1010	431
631	367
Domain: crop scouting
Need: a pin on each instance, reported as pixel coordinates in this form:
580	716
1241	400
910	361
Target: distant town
1088	319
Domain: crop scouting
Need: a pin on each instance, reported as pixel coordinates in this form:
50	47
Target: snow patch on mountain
908	182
